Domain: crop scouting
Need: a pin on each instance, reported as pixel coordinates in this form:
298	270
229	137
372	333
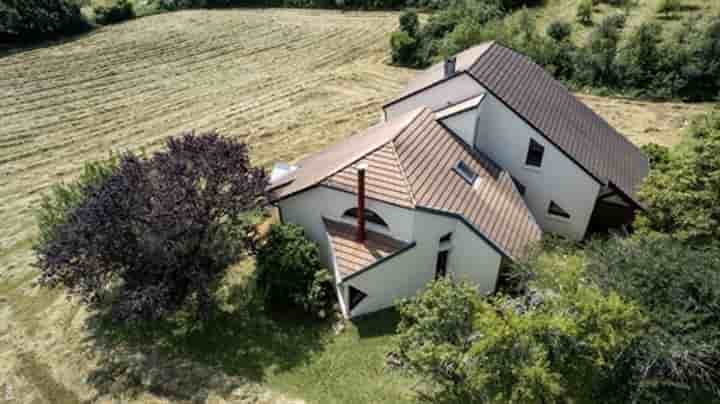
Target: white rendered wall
505	137
405	275
458	88
464	124
307	209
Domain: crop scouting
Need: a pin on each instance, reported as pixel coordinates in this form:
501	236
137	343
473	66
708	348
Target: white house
478	156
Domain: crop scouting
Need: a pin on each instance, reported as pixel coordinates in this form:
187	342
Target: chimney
361	203
449	66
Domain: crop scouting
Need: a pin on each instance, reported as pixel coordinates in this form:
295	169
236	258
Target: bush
681	199
409	23
667	7
32	20
120	10
289	272
546	347
641	60
677	285
559	30
158	232
404	49
658	155
584	12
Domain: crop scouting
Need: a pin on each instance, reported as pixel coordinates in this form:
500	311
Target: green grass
283	350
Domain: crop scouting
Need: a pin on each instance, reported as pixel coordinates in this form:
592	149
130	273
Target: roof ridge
414	114
410	189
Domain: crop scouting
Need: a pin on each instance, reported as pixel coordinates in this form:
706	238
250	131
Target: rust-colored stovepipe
361	203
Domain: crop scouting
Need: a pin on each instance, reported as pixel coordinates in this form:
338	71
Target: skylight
466	172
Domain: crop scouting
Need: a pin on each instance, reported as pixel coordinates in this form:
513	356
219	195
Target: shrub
120	10
409	23
658	155
584	12
667	7
404	49
682	198
677	285
289	272
546	347
31	20
158	232
641	60
559	30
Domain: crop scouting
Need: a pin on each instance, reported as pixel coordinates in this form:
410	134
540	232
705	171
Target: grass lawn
285	351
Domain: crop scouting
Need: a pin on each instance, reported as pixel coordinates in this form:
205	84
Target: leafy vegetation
158	232
682	190
642	62
289	272
545	347
117	11
30	20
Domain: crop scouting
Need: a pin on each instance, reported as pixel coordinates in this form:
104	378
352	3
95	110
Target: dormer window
535	154
370	216
466	172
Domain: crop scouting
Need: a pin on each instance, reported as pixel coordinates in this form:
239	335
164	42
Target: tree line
642	62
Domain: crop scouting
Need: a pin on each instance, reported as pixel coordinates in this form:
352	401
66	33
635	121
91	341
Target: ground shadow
377	324
180	360
9	48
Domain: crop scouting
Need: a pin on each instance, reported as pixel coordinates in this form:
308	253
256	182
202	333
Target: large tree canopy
159	231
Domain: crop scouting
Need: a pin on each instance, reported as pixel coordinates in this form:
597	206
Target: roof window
466	172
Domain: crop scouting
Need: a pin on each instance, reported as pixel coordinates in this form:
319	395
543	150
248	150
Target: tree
677	285
640	61
289	272
31	20
539	348
409	23
404	48
681	198
584	12
559	30
158	232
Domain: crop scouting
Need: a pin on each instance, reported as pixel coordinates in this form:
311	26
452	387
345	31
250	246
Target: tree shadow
180	359
9	48
377	324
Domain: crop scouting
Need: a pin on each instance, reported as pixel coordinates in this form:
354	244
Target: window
441	264
370	216
356	296
534	154
520	187
555	210
446	238
466	172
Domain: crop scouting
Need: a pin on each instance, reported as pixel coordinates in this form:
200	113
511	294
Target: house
577	172
471	163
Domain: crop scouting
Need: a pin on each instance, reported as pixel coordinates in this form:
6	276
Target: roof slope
352	256
548	106
414	169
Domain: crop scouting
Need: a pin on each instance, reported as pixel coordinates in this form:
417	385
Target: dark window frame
555	210
355	297
370	216
441	262
446	238
535	154
464	171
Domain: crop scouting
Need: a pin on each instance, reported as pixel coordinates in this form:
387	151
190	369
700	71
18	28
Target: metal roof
547	106
352	256
414	168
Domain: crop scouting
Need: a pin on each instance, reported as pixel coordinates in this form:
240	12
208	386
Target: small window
370	216
520	187
356	296
535	154
555	210
441	264
466	172
446	238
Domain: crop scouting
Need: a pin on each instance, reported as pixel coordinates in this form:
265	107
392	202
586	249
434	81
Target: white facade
502	135
404	275
451	91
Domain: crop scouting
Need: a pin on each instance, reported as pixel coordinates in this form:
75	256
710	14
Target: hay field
286	81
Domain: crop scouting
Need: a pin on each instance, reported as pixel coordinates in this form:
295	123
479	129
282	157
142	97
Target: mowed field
287	82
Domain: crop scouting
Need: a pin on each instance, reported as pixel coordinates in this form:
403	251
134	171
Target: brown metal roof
549	107
414	169
352	256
